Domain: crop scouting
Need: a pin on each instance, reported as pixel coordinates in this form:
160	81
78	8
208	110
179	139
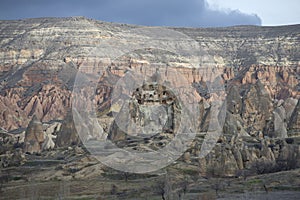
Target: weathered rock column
34	136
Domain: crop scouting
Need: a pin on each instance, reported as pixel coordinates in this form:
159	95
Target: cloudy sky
194	13
272	12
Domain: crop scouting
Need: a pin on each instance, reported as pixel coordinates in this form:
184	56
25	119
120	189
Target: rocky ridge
39	54
257	66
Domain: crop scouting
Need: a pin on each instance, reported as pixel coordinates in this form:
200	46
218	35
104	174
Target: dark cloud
194	13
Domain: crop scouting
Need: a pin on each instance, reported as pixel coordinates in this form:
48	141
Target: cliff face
39	59
253	70
247	45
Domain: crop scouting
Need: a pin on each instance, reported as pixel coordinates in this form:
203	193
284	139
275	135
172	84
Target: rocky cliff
39	59
255	72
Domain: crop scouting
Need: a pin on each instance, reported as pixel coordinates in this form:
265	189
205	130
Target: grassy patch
126	176
254	181
189	171
286	187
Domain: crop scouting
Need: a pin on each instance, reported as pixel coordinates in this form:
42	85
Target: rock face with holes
151	110
155	109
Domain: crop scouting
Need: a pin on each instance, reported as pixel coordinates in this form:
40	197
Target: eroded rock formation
294	122
38	69
255	69
34	136
67	136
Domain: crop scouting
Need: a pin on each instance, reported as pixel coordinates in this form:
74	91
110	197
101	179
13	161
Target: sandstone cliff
255	72
39	59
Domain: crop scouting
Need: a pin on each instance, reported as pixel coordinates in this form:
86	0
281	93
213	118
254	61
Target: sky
188	13
271	12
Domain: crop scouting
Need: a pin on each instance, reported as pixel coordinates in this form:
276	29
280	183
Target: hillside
213	104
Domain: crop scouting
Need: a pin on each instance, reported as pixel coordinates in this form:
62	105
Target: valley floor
179	181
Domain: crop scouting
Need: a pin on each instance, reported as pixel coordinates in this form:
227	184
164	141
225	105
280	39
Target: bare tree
126	176
183	187
163	187
113	190
214	174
